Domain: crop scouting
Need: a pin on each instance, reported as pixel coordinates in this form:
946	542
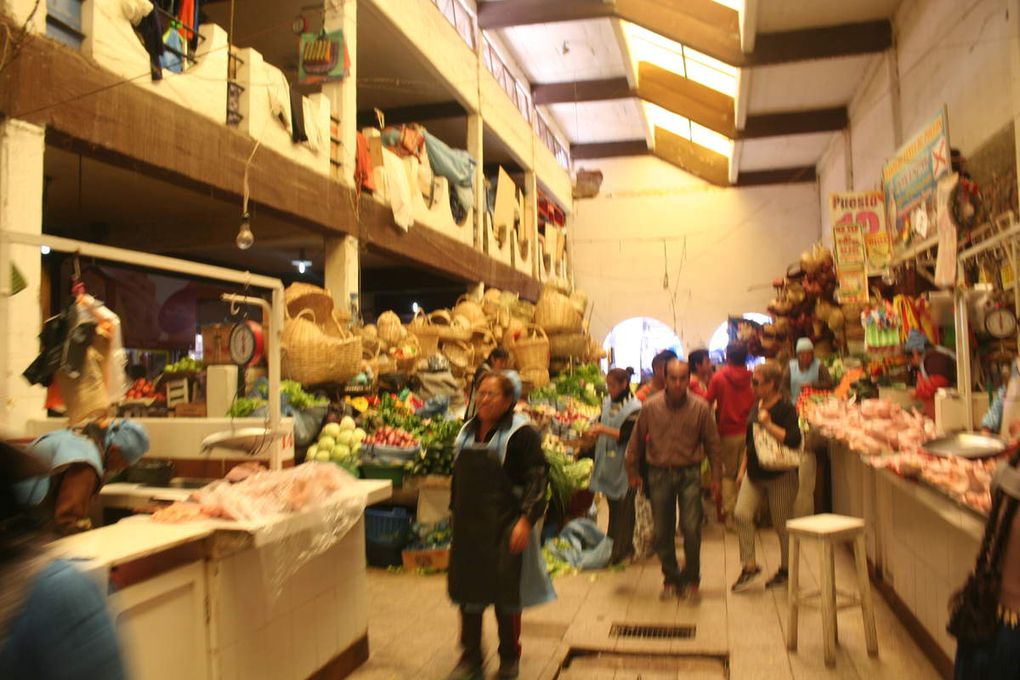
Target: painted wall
961	54
721	248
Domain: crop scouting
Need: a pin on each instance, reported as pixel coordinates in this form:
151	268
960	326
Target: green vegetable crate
394	473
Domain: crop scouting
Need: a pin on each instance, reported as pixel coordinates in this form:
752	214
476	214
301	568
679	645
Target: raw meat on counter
262	495
966	481
873	427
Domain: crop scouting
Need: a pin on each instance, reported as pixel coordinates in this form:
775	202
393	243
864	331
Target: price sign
867	209
849	246
853	286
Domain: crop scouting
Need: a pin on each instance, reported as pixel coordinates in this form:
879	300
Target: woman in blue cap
936	368
79	460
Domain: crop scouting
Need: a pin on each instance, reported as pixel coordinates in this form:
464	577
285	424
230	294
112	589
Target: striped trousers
780	494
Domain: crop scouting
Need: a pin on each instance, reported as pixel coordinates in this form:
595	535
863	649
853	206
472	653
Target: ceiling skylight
684	127
648	46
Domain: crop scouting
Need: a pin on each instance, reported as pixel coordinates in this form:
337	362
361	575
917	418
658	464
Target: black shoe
778	580
509	669
467	670
670	591
745	578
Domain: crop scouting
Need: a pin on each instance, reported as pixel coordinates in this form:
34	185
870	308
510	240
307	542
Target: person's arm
636	449
992	422
927	387
783	426
532	469
711	443
712	394
625	431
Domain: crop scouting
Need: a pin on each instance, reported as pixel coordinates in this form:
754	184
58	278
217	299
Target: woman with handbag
768	471
985	613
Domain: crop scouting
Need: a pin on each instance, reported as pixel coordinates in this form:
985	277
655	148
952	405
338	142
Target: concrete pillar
343	95
475	144
531	218
21	196
27	10
343	270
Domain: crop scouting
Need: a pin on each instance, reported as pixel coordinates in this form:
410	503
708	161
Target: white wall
959	53
737	241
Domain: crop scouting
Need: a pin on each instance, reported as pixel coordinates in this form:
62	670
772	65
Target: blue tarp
582	545
456	165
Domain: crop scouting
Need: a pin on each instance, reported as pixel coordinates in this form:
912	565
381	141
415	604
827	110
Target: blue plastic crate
388	527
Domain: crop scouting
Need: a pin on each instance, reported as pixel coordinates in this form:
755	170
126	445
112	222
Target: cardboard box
437	558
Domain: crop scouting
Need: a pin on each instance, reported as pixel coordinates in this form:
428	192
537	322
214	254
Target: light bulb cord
247	167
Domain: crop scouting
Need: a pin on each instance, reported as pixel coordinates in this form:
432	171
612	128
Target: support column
343	95
531	220
21	197
343	271
475	144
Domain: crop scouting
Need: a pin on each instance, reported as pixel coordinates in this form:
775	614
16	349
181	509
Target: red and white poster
867	209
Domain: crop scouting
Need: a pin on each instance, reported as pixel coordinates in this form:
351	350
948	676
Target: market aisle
413	627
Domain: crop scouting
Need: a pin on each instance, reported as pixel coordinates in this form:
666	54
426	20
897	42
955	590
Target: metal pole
273	337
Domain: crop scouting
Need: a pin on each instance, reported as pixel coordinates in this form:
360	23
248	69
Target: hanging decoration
322	57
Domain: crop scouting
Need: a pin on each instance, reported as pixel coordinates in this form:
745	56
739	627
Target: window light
684	127
735	5
648	46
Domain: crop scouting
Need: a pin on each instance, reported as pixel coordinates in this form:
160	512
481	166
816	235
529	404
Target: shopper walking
498	499
701	372
806	371
777	416
658	381
731	393
609	476
985	613
674	432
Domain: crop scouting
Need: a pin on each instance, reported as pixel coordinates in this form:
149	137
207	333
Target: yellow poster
853	286
879	249
1006	274
848	240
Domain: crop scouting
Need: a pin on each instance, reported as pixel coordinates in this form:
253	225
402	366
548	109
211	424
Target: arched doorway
636	341
721	337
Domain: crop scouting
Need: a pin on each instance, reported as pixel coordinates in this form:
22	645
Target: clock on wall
246	343
1001	323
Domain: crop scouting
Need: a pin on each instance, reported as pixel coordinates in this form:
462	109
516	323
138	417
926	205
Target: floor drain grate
649	632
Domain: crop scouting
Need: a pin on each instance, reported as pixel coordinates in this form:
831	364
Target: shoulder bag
772	453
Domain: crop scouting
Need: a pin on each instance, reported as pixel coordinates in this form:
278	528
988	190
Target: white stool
829	530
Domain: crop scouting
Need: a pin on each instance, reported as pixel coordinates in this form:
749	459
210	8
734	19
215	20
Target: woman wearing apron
498	499
609	476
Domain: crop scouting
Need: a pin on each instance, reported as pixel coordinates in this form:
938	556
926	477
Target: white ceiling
591	51
604	121
805	85
790	15
788	152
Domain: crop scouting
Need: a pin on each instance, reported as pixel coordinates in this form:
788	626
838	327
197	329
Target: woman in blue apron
609	476
498	500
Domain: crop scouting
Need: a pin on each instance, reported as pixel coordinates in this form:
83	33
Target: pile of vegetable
566	476
185	365
585	383
340	443
555	566
392	436
431	536
292	398
435	436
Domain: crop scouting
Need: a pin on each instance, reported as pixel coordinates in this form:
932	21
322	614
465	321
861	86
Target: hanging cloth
171	59
297	117
187	16
151	30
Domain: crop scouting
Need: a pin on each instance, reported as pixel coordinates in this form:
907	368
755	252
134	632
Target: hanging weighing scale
247	343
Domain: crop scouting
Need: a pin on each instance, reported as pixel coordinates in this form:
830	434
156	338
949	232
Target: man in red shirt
730	391
701	372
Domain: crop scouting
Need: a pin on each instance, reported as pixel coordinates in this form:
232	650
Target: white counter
191	599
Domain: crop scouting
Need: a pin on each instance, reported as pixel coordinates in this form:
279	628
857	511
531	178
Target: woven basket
514	331
570	345
407	364
300	296
389	328
535	377
461	355
491	301
556	314
484	342
523	310
313	353
532	349
580	301
470	309
428	335
450	328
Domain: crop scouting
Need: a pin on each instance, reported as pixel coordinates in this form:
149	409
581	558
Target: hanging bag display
772	453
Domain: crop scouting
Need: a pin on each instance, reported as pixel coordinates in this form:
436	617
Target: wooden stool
829	530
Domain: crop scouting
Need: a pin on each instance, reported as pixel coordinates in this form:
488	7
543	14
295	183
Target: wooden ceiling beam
794	123
581	91
690	99
630	147
494	15
96	113
821	43
755	178
690	157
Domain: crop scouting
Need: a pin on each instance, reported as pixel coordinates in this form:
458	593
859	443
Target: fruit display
185	365
393	436
143	389
339	443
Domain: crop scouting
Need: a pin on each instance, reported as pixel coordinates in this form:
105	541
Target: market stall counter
242	598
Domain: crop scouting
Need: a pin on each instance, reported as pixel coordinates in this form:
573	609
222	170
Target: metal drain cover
652	632
587	664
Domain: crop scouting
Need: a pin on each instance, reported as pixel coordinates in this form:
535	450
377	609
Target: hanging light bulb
302	264
245	237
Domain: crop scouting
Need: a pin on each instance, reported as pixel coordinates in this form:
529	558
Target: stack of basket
531	356
316	346
562	318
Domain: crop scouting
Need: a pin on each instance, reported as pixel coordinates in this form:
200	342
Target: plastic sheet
294	514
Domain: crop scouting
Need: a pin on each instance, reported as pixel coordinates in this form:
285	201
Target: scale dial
1001	323
242	344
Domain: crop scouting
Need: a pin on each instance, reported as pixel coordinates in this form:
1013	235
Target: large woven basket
535	378
427	334
531	350
484	342
450	328
569	345
555	313
470	309
407	364
315	353
300	296
460	354
390	330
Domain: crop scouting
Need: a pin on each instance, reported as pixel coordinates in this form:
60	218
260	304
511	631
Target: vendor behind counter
935	366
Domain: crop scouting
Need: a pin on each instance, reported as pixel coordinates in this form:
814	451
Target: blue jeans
666	486
997	659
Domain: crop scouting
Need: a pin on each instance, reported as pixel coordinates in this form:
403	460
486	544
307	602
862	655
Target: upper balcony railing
460	17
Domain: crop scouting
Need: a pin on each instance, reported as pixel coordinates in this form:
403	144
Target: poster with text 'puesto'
867	209
910	177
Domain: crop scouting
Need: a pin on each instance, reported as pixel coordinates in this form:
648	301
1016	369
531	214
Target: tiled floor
413	626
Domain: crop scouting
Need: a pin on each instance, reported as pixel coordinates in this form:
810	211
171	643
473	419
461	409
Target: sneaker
509	669
745	578
669	592
467	670
690	592
778	580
